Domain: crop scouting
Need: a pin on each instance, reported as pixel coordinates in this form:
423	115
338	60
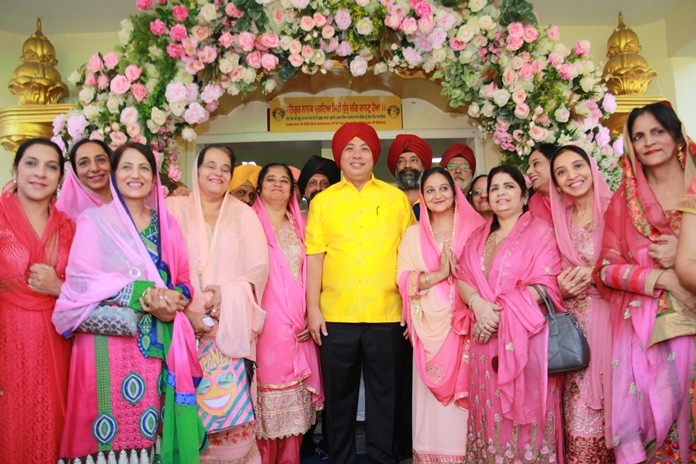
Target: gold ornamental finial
626	72
36	81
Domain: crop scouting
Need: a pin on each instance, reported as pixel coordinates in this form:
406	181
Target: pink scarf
74	197
235	259
452	381
285	297
598	396
540	206
528	256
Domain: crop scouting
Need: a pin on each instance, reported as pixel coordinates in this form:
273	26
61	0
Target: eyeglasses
462	166
477	192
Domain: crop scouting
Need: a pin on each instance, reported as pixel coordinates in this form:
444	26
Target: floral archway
178	58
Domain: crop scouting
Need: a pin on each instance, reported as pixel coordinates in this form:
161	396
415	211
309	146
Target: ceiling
81	16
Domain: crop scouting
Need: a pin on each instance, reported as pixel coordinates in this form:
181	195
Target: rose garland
178	58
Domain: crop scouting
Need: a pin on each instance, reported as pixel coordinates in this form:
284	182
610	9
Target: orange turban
408	143
246	173
459	149
348	132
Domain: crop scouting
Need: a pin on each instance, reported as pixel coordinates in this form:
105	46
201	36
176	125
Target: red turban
459	149
408	143
348	132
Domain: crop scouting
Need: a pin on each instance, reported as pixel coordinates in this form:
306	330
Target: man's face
317	183
409	169
461	172
357	161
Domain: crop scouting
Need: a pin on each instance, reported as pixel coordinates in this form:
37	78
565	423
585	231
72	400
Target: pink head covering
351	130
459	149
74	197
295	173
409	143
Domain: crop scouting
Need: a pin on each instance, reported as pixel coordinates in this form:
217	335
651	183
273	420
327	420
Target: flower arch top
178	58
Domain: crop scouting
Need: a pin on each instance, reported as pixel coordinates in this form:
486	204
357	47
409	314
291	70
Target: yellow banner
309	114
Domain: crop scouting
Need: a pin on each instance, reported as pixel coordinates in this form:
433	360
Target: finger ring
30	281
161	297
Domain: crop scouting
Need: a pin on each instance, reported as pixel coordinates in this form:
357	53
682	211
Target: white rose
158	116
474	110
561	114
91	111
476	5
74	78
113	104
249	76
439	55
501	97
233	89
285	41
488	109
486	23
152	126
225	65
586	83
380	68
155	51
124	35
208	13
86	95
188	134
269	86
177	108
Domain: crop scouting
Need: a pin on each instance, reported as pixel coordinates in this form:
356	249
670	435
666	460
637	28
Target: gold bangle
426	278
474	296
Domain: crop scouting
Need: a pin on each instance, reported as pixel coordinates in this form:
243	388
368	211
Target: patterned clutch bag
106	319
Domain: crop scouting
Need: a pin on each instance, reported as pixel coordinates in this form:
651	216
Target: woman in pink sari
290	390
438	322
126	281
229	268
88	183
35	240
653	332
540	176
579	197
515	407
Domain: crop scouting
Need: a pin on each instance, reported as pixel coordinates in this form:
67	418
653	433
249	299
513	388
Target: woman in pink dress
515	406
579	197
228	270
653	346
35	240
289	377
540	176
438	322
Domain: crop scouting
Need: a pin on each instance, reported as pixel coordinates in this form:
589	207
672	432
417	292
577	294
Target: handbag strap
550	308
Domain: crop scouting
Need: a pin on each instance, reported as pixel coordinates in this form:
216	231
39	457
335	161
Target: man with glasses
460	161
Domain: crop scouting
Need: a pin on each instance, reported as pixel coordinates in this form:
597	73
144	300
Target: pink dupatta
540	206
598	396
528	256
235	258
285	299
74	197
450	362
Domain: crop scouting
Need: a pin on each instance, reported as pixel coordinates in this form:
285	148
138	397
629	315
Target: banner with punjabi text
309	114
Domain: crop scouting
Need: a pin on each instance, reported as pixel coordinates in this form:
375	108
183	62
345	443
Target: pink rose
177	32
343	19
190	45
211	93
331	45
191	92
211	107
582	47
300	4
603	136
609	103
412	56
139	138
306	23
327	32
90	80
119	85
129	115
96	135
423	8
456	45
319	19
555	59
269	41
246	41
175	50
538	133
253	59
278	15
103	82
143	4
58	124
232	10
237	73
269	61
409	26
307	51
425	25
553	33
111	60
522	110
201	32
296	60
139	91
509	76
118	138
77	124
344	49
207	55
530	34
133	130
519	96
95	63
133	72
392	21
174	172
226	39
157	27
516	29
514	43
567	71
195	114
358	66
180	12
175	92
194	66
618	146
526	71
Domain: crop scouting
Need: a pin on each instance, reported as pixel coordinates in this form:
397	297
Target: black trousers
378	350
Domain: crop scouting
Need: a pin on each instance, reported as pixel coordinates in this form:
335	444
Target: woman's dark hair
517	176
470	192
73	151
436	170
143	149
546	149
665	115
21	151
575	149
264	172
226	150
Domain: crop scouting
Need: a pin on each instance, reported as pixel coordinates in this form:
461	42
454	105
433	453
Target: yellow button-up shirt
360	232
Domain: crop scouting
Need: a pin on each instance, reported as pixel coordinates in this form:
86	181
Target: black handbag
568	348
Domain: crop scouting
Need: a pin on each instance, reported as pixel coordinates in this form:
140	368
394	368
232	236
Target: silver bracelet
474	296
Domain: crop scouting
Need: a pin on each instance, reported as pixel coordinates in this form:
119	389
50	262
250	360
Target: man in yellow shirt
354	308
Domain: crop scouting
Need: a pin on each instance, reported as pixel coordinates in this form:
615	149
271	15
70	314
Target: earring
14	178
558	189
